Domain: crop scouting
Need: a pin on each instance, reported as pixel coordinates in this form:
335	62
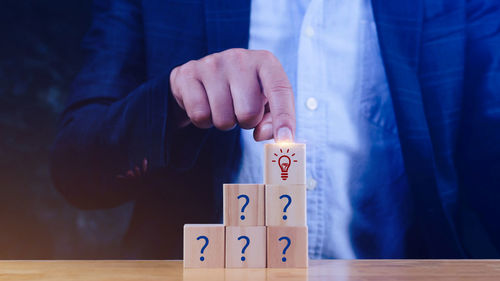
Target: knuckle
284	116
187	70
211	63
199	117
248	117
236	54
281	87
224	124
268	56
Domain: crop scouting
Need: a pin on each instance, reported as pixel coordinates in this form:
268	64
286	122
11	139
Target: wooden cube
286	205
204	245
287	246
285	163
244	205
246	246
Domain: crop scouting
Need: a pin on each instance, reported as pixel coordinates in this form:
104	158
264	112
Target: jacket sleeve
479	148
115	121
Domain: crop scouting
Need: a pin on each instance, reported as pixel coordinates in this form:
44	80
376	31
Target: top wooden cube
285	163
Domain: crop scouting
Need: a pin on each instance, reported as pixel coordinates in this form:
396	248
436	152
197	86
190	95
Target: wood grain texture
296	212
213	253
296	253
255	253
254	211
319	270
293	154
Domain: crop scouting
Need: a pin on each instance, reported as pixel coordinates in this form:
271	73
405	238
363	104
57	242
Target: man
398	102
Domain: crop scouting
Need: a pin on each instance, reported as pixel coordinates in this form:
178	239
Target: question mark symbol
283	259
247	200
244	247
204	246
287	204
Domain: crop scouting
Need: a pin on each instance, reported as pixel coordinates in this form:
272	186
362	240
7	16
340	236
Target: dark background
39	57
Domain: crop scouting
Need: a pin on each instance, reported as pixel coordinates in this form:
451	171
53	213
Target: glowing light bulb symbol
284	162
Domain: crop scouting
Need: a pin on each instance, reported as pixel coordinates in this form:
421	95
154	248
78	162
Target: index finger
278	91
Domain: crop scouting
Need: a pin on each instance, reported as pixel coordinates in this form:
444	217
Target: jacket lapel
227	24
399	27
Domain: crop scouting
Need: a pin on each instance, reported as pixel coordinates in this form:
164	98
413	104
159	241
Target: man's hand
237	86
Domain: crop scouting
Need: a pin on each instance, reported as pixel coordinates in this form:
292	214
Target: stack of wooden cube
264	224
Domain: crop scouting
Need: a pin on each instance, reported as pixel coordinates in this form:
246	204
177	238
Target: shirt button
311	183
312	103
309	31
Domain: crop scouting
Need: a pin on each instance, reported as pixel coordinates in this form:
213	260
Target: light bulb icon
284	162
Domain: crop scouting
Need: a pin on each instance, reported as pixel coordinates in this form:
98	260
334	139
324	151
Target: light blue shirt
330	52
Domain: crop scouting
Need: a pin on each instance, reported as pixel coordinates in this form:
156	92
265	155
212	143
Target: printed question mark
247	200
287	204
244	247
283	259
204	246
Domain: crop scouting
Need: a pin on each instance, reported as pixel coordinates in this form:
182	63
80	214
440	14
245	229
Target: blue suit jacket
442	59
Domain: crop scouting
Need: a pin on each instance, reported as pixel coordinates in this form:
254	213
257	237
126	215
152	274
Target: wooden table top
318	270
